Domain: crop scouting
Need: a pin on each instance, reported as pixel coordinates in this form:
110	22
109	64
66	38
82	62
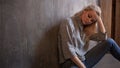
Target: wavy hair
93	7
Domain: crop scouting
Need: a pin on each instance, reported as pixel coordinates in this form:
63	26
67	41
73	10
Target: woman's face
88	17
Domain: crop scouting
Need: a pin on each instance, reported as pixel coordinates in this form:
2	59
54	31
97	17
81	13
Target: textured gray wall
28	31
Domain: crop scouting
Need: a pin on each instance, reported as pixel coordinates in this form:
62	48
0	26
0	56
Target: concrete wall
29	31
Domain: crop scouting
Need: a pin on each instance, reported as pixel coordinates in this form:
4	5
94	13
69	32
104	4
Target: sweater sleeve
99	36
66	40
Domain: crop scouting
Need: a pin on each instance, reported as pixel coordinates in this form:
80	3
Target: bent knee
110	41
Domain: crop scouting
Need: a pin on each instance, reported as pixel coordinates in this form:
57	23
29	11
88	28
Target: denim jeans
95	54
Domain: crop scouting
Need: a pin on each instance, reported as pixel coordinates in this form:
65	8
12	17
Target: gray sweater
72	40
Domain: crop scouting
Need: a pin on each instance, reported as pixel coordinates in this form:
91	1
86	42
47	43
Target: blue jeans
95	54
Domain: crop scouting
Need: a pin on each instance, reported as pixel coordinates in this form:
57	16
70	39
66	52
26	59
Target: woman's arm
101	25
78	62
101	35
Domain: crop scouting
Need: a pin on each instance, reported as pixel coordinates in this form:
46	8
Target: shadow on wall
46	53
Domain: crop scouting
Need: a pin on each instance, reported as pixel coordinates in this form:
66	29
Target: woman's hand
78	62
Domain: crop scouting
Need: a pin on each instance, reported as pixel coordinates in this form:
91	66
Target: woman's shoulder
68	22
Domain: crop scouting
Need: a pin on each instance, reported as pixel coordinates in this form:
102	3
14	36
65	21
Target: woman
83	40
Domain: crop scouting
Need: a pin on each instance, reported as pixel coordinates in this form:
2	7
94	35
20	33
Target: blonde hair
90	29
93	7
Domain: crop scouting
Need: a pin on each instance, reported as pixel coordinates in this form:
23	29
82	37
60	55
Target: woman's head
89	14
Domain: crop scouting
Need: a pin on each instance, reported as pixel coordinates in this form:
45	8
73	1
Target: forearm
78	62
101	25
